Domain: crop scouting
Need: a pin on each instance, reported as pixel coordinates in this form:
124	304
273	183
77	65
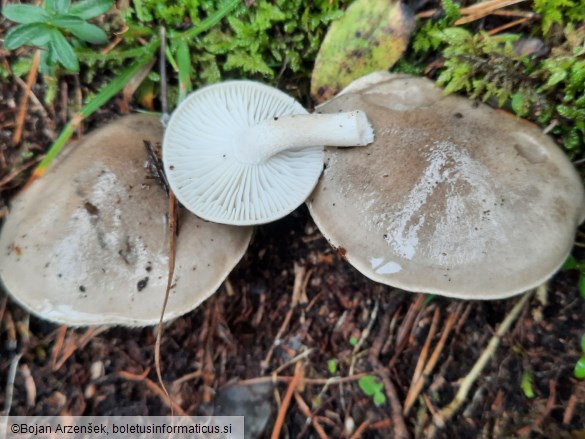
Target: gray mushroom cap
87	244
452	198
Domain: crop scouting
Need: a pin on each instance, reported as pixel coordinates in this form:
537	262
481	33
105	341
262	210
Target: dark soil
233	338
227	338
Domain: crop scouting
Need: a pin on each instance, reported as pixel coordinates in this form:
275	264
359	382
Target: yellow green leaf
371	36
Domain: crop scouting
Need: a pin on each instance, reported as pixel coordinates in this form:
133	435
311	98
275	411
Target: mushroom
453	198
240	152
87	244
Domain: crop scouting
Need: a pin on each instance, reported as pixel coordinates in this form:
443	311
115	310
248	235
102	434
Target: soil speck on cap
142	284
92	209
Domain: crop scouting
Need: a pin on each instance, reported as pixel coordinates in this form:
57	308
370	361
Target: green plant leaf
61	6
580	368
520	104
371	36
33	34
332	366
453	35
97	101
379	398
428	299
47	68
87	32
353	340
65	20
526	384
62	51
583	343
370	385
582	285
184	65
87	9
570	263
49	6
25	13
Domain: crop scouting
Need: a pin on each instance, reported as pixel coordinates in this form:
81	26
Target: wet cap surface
87	244
452	198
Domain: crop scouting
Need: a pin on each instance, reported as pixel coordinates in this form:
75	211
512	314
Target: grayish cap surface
452	198
87	243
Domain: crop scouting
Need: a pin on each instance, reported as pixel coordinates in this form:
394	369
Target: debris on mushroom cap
453	198
244	153
87	244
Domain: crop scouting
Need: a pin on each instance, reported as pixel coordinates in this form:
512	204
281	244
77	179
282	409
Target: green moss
548	88
260	40
549	91
559	12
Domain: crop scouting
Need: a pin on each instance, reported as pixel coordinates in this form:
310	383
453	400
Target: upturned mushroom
240	152
87	244
453	198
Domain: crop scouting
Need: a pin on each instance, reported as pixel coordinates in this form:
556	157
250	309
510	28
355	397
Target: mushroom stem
272	136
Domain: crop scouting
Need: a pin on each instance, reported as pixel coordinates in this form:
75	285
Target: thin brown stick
364	335
307	412
399	426
357	434
29	385
38	105
463	318
492	8
298	282
414	389
570	410
162	394
294	360
286	401
306	381
3	308
515	13
550	403
445	414
425	350
59	342
441	344
407	322
30	80
71	346
172	247
188	377
480	10
507	26
4	181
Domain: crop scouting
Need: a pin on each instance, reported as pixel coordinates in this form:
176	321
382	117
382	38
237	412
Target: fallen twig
404	330
7	179
360	430
286	401
399	427
422	358
310	418
550	403
364	335
445	414
155	388
65	348
30	80
296	295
